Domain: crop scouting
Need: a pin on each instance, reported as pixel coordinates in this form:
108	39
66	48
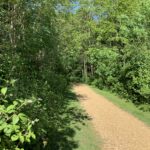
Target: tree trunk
85	75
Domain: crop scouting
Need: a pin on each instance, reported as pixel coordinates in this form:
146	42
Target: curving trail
118	129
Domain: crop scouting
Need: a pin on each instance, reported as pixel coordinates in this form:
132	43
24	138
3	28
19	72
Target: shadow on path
62	134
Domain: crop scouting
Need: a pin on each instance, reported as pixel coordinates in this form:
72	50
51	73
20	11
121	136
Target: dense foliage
34	112
109	46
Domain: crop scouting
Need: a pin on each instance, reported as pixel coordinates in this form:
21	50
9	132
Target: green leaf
15	128
12	82
15	119
28	139
3	126
9	108
15	103
4	90
21	139
33	135
14	138
23	117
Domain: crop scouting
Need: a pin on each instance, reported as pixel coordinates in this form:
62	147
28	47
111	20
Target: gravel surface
118	129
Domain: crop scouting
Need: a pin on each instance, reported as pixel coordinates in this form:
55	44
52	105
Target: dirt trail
118	129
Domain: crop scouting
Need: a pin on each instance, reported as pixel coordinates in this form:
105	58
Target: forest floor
118	129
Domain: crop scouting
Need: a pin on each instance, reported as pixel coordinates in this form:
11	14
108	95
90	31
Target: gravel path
118	129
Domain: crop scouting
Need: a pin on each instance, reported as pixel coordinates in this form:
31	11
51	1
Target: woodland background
46	45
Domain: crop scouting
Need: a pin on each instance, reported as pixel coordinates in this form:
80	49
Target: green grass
87	138
86	135
127	106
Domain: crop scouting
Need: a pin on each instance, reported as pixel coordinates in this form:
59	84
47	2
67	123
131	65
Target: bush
16	128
